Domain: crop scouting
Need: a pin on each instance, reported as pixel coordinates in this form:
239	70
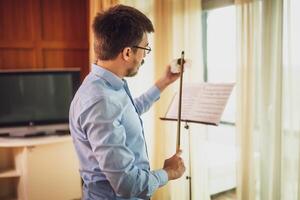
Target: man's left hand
167	78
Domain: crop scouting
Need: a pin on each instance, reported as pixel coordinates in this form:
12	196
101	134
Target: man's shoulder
93	91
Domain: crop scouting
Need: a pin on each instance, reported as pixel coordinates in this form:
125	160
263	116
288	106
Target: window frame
213	4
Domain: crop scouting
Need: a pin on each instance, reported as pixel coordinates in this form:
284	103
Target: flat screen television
36	101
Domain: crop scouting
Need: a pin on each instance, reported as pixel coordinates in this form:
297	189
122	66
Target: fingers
180	160
178	156
179	152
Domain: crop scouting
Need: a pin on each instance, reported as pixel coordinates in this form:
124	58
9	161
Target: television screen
36	98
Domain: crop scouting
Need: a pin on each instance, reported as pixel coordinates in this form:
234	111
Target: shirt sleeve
145	101
107	138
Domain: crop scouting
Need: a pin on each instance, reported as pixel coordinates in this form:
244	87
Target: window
219	47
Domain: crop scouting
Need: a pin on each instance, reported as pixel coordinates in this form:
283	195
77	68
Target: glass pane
222	158
221	68
221	52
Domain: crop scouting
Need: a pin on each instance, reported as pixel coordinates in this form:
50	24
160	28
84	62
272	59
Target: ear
127	53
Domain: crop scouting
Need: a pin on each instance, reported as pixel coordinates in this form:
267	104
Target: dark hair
118	27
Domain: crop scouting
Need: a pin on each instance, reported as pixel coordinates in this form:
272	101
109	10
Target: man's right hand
174	166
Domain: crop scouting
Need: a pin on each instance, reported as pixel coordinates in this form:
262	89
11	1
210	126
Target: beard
133	71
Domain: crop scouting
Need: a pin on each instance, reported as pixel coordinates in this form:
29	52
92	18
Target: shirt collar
116	82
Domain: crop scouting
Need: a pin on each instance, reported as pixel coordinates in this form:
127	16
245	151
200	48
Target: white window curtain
268	115
290	183
178	27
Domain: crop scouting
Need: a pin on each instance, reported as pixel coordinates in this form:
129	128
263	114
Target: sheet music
201	103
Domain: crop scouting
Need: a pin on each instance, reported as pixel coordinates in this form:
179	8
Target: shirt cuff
153	93
162	176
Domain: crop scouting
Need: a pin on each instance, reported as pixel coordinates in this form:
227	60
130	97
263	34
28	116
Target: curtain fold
164	139
177	28
290	182
245	91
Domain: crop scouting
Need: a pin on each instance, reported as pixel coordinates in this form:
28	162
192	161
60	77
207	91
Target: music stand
202	103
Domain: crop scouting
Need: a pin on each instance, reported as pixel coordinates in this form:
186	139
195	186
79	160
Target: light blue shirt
108	135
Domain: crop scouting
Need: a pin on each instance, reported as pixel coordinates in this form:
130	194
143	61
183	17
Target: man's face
138	58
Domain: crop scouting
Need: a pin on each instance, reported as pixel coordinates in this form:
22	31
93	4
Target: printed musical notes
201	103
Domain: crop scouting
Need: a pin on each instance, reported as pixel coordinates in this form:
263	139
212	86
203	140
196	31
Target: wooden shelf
10	142
9	174
25	168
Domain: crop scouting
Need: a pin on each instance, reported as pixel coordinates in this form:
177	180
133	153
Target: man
105	120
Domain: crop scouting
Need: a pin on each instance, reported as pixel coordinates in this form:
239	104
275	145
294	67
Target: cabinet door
53	172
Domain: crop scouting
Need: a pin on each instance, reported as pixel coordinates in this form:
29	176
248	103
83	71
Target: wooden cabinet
39	168
38	34
44	34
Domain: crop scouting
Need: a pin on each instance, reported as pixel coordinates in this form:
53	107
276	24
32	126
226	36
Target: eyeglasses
147	49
